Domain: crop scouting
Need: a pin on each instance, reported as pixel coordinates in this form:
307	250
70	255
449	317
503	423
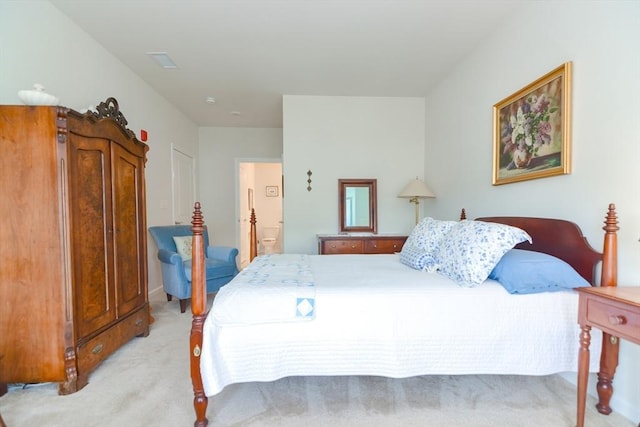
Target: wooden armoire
73	263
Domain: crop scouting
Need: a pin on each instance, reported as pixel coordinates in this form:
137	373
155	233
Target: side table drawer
383	246
347	246
615	320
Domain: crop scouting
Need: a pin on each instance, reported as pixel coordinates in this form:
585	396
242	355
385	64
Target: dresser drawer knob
617	320
97	349
138	322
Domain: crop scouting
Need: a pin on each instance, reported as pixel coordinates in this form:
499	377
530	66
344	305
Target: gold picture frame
532	130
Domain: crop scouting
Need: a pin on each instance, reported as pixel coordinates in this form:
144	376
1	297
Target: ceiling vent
162	59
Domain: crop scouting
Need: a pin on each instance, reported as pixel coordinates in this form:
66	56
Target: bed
302	315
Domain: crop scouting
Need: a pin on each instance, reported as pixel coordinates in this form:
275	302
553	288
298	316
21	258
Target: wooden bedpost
198	308
463	215
253	242
610	251
610	343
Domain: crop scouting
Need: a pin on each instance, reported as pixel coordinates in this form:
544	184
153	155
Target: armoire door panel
127	170
91	233
31	255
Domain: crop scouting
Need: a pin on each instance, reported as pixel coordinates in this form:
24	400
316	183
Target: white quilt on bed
376	316
286	290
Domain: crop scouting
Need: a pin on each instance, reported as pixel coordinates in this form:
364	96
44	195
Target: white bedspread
376	316
284	284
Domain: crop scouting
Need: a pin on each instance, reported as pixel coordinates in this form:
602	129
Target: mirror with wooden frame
358	205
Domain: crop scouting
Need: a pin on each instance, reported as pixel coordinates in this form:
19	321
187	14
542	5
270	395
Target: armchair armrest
225	253
169	257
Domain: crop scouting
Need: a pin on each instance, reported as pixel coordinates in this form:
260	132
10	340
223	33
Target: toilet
270	239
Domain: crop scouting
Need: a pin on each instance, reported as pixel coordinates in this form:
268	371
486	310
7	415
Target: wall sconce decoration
309	173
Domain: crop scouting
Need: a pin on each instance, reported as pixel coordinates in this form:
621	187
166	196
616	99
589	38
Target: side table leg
608	365
583	371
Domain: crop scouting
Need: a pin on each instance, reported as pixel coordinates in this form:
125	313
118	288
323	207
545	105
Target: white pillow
427	235
183	245
472	249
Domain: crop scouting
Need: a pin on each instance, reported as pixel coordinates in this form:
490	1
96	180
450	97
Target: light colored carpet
147	383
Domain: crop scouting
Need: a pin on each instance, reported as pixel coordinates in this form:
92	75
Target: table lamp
414	191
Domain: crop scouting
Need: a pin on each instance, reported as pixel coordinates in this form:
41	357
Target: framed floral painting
532	130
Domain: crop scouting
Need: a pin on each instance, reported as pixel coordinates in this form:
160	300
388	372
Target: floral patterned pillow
473	248
418	259
183	245
427	235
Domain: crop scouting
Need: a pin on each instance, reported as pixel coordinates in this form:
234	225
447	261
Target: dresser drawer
613	319
383	246
368	244
346	246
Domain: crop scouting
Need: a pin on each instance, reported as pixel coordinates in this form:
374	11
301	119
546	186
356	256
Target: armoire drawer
93	351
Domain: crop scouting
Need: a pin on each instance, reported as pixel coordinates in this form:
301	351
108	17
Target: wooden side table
616	312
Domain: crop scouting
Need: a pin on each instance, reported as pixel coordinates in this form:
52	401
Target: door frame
176	148
241	193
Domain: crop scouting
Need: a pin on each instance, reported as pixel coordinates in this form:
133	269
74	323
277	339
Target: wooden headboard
562	239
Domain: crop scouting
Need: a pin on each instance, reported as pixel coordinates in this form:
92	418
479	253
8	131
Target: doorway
259	183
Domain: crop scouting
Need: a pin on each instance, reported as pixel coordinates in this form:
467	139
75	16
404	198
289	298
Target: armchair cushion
214	269
183	246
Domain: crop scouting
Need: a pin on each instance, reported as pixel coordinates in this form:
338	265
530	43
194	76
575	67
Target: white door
183	185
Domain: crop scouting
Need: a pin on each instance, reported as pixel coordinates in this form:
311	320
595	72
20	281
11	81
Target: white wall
601	38
219	150
41	45
348	137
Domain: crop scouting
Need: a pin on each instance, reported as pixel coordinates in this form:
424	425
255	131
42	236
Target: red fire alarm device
143	135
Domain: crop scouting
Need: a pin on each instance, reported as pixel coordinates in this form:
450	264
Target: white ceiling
248	53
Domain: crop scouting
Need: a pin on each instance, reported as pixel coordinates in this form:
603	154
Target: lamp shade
416	189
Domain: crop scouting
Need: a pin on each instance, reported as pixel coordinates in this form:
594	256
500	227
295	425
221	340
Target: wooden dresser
334	244
73	275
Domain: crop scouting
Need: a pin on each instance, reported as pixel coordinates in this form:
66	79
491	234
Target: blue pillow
528	272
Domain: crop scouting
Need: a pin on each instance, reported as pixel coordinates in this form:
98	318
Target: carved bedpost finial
611	220
463	215
197	222
609	274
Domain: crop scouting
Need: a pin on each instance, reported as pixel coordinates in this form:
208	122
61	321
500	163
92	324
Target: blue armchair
176	273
